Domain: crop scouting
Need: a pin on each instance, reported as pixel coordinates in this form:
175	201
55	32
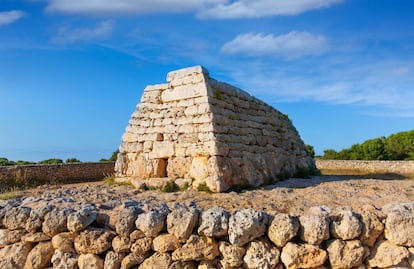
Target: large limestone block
247	225
214	223
282	229
197	248
94	240
162	149
184	92
64	260
386	253
399	228
302	256
157	260
181	221
90	261
40	256
16	218
261	254
346	225
314	228
178	74
153	222
345	254
372	227
14	256
165	243
232	256
80	219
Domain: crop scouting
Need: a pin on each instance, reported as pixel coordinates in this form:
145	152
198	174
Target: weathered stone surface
153	222
247	225
93	240
399	228
345	254
372	227
14	256
80	219
157	260
64	260
261	254
214	223
35	238
113	260
197	248
282	229
131	260
386	253
36	218
231	255
126	220
141	246
346	225
16	217
55	222
64	242
411	257
40	256
302	256
165	243
181	221
90	261
121	244
8	237
209	264
182	265
314	228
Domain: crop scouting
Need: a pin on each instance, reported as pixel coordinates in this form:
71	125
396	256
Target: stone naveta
198	129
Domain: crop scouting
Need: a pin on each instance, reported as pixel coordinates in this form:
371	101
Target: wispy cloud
8	17
292	45
216	9
263	8
67	34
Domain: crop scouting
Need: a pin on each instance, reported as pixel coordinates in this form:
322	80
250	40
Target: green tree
112	158
72	160
5	161
330	154
400	146
51	161
310	150
374	149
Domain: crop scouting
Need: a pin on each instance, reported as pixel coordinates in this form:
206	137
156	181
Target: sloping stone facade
195	127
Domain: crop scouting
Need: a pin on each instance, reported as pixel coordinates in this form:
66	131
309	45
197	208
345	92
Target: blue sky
72	71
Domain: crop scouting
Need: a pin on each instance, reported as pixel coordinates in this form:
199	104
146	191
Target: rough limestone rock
8	237
14	256
126	220
55	221
231	255
131	260
90	261
194	127
40	256
80	219
16	218
121	244
93	240
181	221
209	264
386	253
372	227
197	248
345	254
157	260
183	265
113	260
246	225
314	228
64	242
302	256
346	225
399	228
141	246
64	260
411	257
165	243
151	223
282	229
261	254
214	223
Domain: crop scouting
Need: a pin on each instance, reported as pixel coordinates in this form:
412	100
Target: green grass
204	188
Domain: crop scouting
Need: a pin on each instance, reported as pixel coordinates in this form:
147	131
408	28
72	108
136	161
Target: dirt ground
292	196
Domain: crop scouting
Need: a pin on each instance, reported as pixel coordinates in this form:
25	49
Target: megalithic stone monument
209	132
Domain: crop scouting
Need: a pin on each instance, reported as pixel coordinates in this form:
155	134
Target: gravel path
292	196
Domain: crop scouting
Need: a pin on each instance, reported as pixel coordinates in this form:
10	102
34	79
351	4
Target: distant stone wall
135	236
397	167
30	175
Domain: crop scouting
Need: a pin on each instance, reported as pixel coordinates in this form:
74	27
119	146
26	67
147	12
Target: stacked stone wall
396	167
204	131
30	175
64	234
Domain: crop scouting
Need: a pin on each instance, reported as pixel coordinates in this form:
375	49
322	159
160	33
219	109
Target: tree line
399	146
6	162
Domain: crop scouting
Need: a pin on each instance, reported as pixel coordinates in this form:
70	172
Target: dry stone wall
65	234
30	175
203	131
397	167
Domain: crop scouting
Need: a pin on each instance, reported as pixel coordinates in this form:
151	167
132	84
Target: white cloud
292	45
8	17
263	8
68	34
218	9
127	7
